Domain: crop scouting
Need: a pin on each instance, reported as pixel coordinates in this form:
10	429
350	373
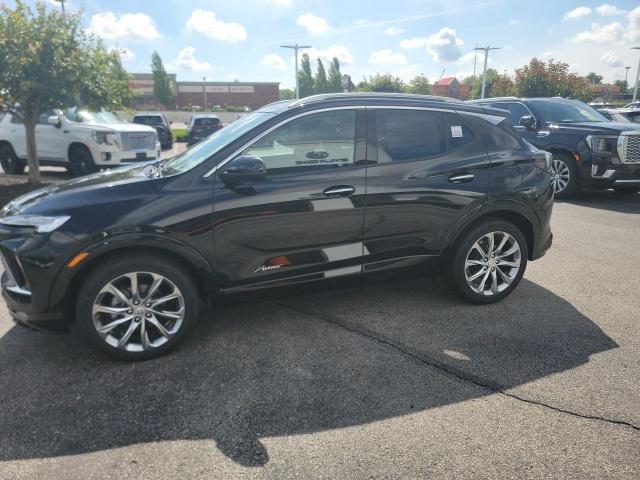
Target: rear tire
123	297
10	163
80	161
564	175
483	270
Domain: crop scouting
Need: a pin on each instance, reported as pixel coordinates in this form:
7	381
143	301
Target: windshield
567	111
84	116
199	122
205	149
151	120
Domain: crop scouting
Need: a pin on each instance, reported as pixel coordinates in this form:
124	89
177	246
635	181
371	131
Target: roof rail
370	95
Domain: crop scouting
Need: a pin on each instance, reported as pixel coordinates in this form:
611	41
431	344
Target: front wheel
488	262
80	161
136	308
564	175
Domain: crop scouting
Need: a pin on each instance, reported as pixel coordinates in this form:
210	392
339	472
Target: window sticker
456	131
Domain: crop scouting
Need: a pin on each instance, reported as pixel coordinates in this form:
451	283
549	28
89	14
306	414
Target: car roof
373	99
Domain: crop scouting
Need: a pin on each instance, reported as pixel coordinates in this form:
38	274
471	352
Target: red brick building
446	87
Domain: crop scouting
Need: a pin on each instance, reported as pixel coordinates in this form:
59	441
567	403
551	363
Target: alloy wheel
560	175
138	311
492	263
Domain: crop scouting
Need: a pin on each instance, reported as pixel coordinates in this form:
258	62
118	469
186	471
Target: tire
80	161
166	323
10	163
564	175
626	190
507	271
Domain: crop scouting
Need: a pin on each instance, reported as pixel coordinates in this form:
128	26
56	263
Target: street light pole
484	71
626	85
635	85
295	49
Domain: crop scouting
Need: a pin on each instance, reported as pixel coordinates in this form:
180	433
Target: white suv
79	140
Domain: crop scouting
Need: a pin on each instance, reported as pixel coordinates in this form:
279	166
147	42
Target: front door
427	169
51	139
304	220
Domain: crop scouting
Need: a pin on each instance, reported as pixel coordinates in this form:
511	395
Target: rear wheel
564	175
80	161
488	262
137	308
10	162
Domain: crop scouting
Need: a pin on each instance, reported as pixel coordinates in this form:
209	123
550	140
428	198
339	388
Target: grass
179	134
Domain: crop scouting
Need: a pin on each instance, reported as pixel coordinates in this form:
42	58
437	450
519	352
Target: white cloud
273	60
125	54
633	31
600	34
392	31
187	61
577	13
313	23
281	3
134	26
444	45
206	23
342	53
387	57
611	59
607	10
513	21
415	42
547	54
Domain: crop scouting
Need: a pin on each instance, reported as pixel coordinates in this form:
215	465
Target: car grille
132	141
630	148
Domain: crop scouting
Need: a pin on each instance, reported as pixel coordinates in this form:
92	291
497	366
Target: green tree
382	83
623	86
321	85
47	60
502	86
419	85
119	82
305	77
548	79
161	85
335	77
287	94
594	78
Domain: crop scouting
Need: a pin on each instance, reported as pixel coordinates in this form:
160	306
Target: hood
81	191
115	127
590	128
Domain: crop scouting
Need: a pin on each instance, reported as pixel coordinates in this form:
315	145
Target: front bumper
609	176
111	156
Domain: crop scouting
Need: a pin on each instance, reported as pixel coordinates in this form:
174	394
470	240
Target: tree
119	83
287	94
623	86
47	60
321	85
593	78
548	79
419	85
161	84
382	83
305	77
503	86
335	77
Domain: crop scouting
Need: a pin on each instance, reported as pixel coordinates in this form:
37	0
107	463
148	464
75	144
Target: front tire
488	262
81	161
564	175
10	163
136	308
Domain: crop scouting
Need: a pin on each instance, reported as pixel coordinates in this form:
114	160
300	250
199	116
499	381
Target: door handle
339	191
461	178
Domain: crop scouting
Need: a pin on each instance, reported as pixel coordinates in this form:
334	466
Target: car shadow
295	365
606	200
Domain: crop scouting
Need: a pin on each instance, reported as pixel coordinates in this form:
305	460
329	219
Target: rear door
427	170
304	221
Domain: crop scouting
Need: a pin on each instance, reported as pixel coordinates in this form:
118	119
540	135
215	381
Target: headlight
42	224
603	144
104	138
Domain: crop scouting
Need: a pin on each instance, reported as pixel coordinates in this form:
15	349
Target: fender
100	246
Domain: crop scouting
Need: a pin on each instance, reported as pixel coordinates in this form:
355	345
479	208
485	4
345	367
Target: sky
241	39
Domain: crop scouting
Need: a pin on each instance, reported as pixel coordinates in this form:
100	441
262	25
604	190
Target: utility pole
626	85
475	61
295	49
484	71
635	85
204	92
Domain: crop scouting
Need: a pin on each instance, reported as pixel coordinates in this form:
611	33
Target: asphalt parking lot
396	380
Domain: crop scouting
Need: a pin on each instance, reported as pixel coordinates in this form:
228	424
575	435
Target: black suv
158	121
588	150
326	188
201	126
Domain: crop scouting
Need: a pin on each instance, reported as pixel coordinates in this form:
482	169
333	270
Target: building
204	95
604	92
446	87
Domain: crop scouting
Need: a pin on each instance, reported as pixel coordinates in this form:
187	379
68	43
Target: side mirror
245	168
54	120
527	122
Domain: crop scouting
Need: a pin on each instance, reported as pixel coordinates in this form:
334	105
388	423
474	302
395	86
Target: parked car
621	115
601	105
200	126
79	140
334	187
633	106
158	121
588	150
